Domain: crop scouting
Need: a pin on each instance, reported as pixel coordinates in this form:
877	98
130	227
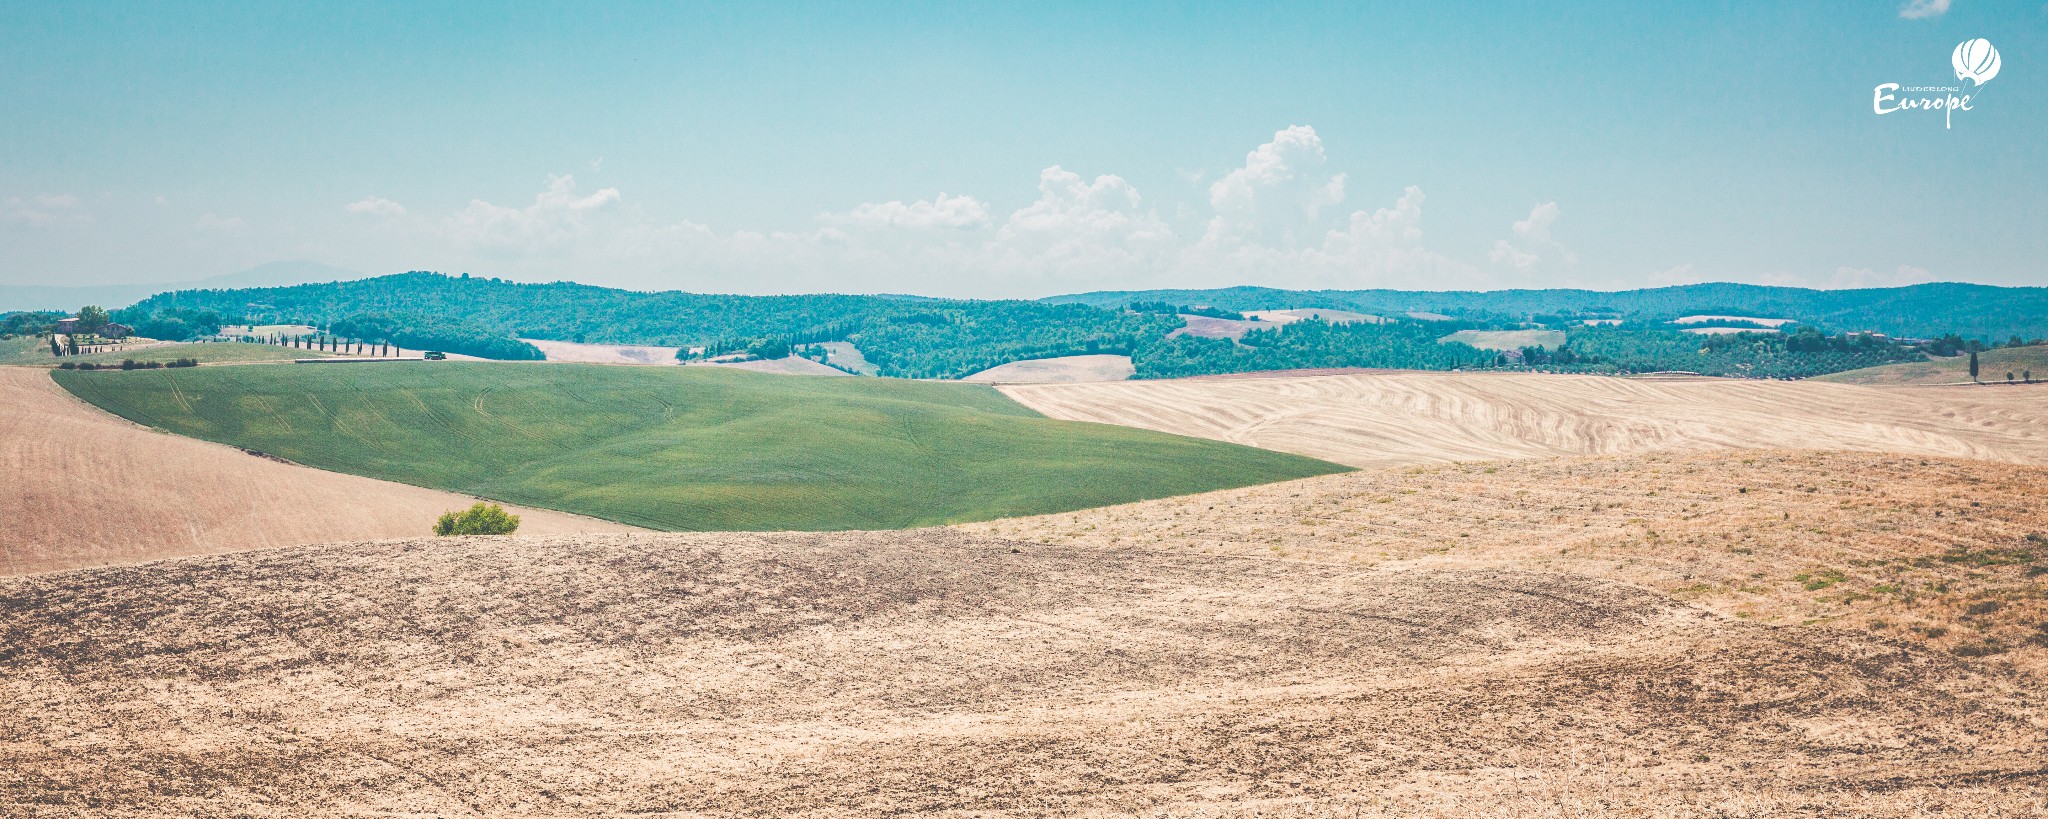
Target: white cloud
1378	248
1506	253
1847	277
1081	232
1278	194
1923	9
1270	222
1537	226
1670	276
375	206
1531	243
943	212
554	222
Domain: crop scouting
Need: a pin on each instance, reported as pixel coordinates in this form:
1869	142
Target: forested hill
1919	311
942	338
901	336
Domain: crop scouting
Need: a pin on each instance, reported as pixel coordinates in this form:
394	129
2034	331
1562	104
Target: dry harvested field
1767	322
1950	555
844	354
84	488
2022	362
605	353
1508	339
1285	317
1207	327
1063	370
791	365
1374	420
936	673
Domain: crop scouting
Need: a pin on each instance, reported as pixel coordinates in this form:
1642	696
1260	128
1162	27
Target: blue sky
1021	150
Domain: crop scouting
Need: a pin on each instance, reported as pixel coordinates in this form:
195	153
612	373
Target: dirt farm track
86	488
1376	420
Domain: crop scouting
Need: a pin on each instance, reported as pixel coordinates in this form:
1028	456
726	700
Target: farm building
67	326
116	331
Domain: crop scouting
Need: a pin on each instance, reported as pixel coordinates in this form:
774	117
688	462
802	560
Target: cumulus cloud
375	206
1923	9
1273	221
1080	232
1531	243
1278	194
1903	275
954	212
555	220
1372	248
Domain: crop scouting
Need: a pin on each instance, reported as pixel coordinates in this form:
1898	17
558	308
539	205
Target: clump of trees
481	519
92	318
421	331
1169	308
1310	344
170	323
29	323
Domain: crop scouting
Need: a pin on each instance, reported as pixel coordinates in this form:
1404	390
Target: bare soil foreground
1410	418
1951	555
942	674
85	488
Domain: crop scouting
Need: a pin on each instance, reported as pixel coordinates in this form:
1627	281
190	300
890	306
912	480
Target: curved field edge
686	448
1992	368
1402	419
97	490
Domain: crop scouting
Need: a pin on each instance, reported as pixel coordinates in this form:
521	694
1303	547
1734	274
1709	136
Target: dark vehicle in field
434	355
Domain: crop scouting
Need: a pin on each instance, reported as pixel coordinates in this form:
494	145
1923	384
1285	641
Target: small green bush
481	519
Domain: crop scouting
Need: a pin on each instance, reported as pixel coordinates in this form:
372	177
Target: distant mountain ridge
274	274
1916	311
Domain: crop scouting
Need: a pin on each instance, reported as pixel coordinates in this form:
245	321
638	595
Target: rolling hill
1116	672
1992	365
1916	311
1945	553
1417	418
85	488
953	338
683	448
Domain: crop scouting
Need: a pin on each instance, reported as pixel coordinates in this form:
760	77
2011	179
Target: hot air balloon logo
1976	61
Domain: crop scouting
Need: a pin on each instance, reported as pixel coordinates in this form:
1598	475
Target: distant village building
113	330
67	326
